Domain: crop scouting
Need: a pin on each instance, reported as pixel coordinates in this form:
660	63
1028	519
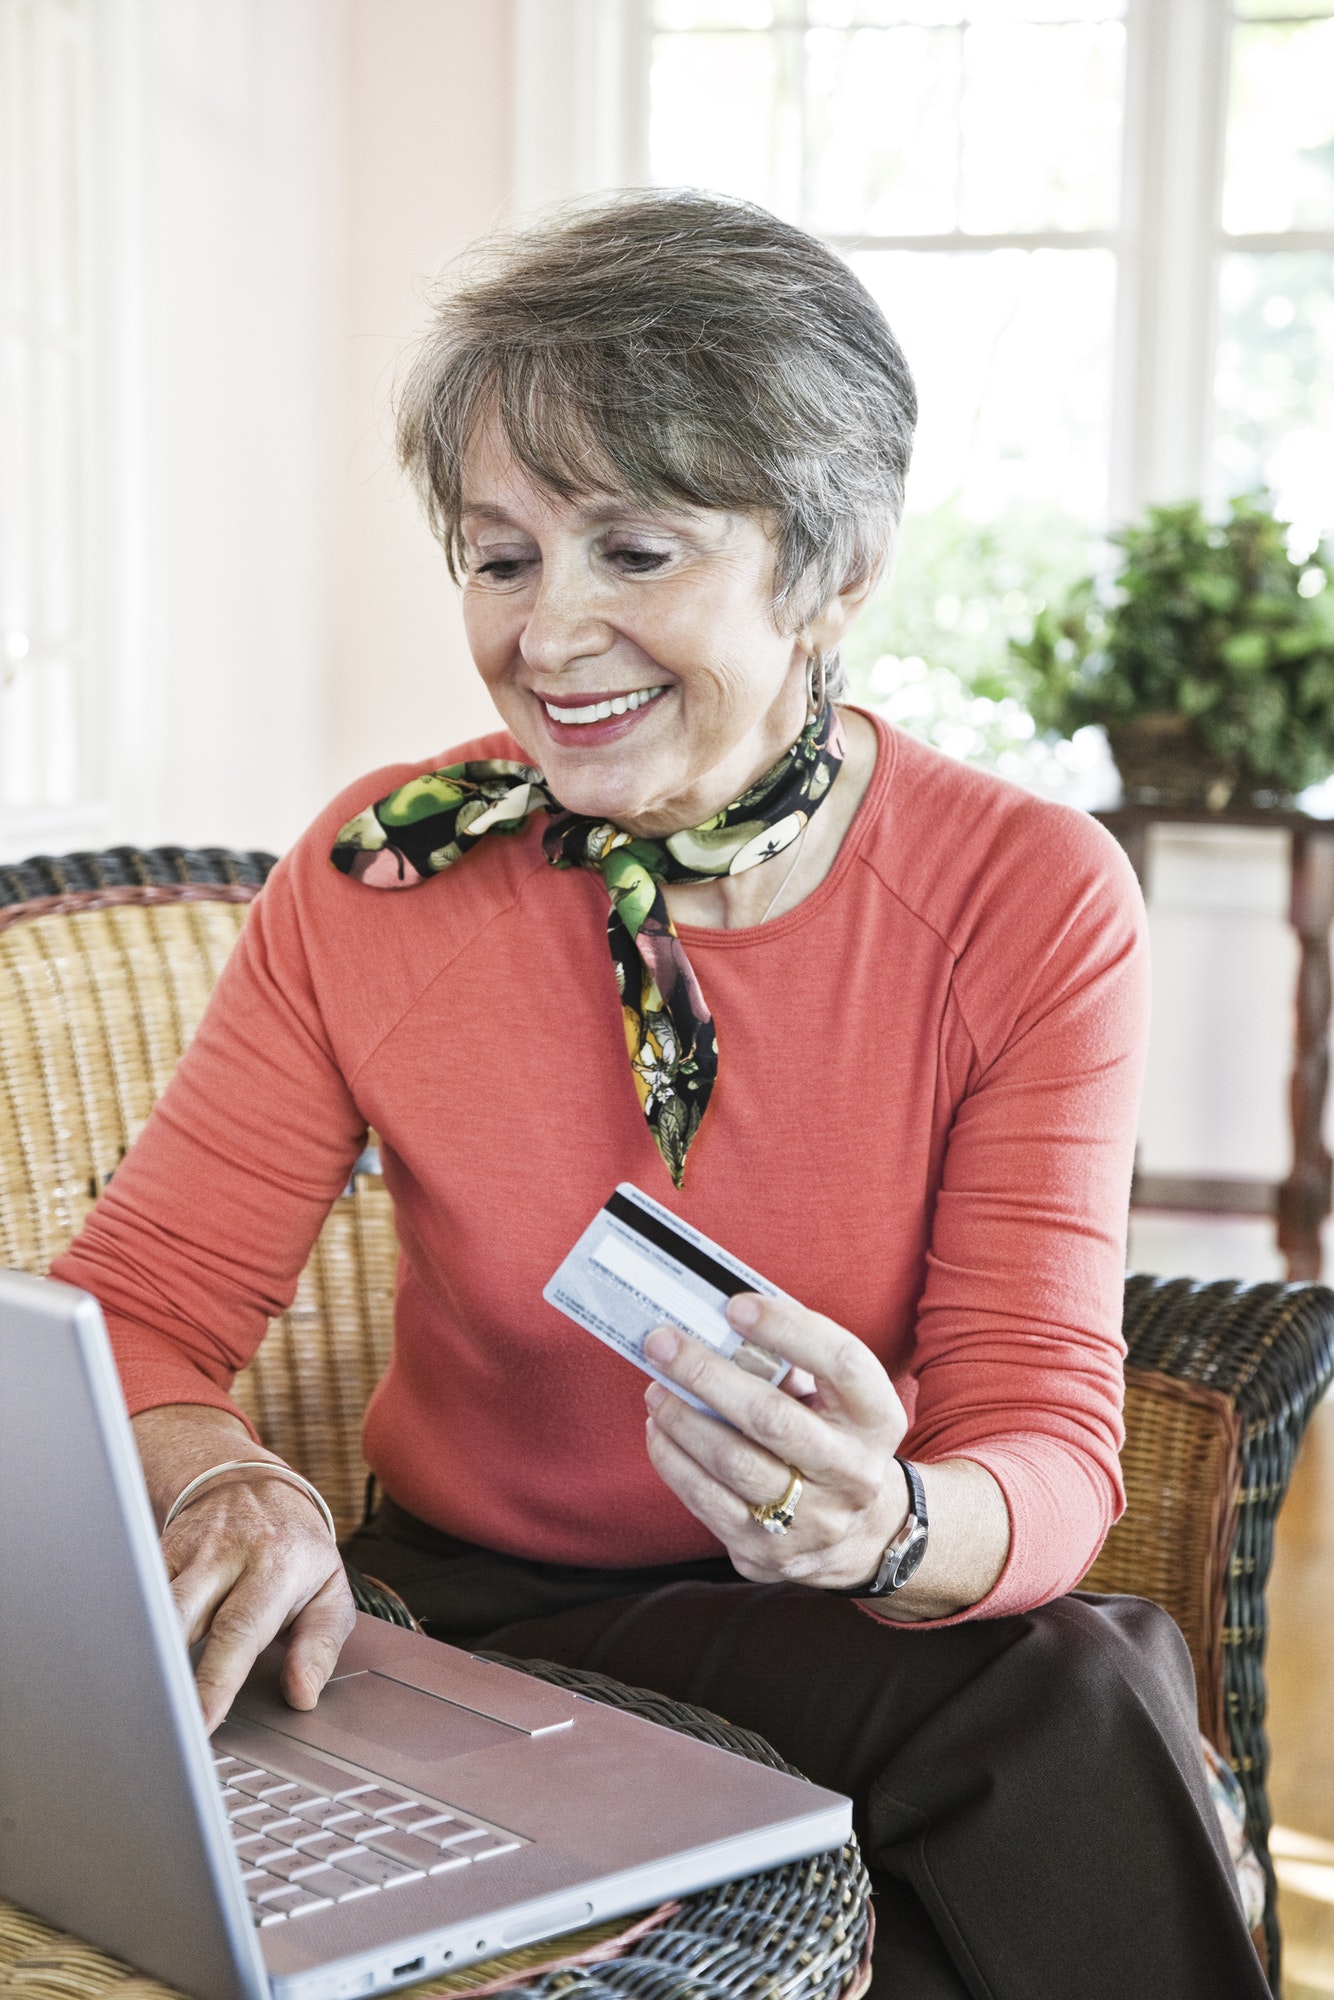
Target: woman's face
571	605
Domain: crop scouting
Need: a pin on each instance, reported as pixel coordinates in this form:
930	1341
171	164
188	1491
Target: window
46	613
1078	215
1274	385
967	161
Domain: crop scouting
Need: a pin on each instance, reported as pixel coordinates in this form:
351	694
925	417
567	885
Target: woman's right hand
248	1559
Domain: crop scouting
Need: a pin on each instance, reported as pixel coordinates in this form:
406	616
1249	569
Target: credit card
638	1266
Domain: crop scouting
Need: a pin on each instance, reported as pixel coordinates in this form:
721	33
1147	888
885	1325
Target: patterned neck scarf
431	822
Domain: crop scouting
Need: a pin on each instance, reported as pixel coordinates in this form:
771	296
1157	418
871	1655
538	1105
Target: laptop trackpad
367	1716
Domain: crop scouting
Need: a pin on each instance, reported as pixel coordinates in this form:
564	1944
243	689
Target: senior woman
870	1019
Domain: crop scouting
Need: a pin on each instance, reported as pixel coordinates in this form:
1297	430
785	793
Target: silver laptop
434	1809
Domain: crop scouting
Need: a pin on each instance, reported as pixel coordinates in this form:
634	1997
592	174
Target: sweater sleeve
1019	1358
205	1227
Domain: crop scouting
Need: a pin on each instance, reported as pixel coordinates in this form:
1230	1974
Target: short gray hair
683	348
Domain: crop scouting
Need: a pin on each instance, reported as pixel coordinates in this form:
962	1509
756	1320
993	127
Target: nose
567	623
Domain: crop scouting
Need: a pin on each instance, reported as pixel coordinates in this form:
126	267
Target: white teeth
598	711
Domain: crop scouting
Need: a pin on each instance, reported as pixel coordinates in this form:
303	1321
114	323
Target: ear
826	630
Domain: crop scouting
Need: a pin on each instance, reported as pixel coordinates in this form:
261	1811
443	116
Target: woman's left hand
842	1439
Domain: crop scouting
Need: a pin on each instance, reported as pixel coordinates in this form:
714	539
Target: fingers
251	1562
318	1636
755	1407
714	1504
756	1470
815	1435
843	1441
200	1587
267	1600
851	1382
755	1554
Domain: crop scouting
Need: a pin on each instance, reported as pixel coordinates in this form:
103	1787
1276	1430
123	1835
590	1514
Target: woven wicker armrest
1181	1463
1221	1380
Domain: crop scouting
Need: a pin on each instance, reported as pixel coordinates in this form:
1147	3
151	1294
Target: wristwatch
904	1554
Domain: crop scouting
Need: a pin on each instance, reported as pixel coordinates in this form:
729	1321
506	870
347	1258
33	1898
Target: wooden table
1302	1201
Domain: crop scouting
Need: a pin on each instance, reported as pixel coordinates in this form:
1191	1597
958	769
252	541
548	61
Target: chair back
101	989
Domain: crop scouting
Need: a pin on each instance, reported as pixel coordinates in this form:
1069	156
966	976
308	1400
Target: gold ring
775	1516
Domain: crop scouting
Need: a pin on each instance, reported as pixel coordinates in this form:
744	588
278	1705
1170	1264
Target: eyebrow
478	510
609	509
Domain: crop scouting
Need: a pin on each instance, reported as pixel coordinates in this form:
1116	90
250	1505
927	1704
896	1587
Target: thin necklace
787	879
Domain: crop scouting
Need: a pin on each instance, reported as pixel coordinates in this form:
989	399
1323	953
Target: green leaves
1246	652
1213	590
1212	621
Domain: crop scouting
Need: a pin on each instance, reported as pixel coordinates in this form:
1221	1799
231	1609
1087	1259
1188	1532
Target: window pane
899	131
1280	156
1045	10
713	13
931	13
882	111
726	114
1275	383
1012	354
1041	122
885	13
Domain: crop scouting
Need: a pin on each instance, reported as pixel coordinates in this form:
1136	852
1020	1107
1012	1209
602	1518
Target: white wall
1224	970
429	144
278	617
223	601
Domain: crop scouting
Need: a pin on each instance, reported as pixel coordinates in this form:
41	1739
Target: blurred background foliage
932	651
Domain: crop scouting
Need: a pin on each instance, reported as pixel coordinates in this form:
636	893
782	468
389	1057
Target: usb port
413	1965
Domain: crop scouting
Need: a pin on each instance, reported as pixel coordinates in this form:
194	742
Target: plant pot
1162	762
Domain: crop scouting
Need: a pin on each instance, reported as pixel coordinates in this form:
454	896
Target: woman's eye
639	562
503	568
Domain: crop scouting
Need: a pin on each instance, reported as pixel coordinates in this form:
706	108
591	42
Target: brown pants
1028	1791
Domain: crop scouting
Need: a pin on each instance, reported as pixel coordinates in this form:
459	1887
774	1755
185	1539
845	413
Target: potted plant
1209	662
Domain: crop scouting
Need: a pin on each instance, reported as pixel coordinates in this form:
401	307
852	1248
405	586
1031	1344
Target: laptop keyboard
304	1849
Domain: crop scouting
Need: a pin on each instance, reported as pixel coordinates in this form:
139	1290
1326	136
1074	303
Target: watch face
910	1561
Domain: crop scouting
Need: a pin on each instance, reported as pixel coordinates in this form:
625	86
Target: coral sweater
923	1127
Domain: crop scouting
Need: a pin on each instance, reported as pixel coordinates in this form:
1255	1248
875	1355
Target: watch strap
916	1492
891	1573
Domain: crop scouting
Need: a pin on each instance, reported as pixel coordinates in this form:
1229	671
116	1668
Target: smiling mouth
600	711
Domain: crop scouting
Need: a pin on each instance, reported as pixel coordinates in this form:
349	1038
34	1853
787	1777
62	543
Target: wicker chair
106	963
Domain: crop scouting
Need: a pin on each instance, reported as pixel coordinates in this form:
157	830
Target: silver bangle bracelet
285	1472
